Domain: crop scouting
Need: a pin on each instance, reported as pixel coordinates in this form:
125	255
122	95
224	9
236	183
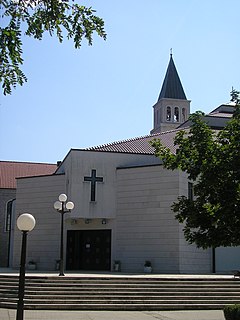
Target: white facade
134	199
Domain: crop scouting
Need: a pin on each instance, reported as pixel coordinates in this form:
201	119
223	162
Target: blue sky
104	93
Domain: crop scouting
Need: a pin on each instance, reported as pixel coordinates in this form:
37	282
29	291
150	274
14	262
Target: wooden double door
89	250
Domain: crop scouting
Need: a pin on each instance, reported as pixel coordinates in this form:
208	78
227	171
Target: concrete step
87	295
120	307
120	280
83	293
124	299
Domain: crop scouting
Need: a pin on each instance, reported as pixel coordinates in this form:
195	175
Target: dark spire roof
172	87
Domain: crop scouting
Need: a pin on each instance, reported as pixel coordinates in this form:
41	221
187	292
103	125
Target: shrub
147	263
232	312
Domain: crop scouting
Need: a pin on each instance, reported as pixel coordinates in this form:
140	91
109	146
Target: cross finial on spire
171	52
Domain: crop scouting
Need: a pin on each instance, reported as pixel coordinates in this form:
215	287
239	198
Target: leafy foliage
57	17
212	161
232	312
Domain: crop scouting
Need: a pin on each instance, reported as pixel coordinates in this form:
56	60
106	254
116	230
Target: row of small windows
175	115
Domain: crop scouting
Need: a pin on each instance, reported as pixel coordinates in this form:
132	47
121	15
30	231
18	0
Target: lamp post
62	206
25	223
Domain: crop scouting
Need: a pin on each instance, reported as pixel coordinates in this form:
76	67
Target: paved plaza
114	315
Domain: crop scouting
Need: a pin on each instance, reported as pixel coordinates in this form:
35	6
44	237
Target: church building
122	199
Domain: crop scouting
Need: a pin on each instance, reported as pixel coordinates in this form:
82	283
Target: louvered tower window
169	114
176	114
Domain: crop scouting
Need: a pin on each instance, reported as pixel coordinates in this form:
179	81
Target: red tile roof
9	171
139	145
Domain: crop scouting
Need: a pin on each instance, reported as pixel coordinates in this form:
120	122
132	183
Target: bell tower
172	107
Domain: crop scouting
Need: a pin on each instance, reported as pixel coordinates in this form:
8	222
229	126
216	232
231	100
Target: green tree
63	18
211	160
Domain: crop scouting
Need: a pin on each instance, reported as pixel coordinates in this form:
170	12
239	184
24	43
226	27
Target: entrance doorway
89	250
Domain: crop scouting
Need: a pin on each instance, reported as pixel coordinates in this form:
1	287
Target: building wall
145	225
136	201
37	196
192	259
5	196
80	163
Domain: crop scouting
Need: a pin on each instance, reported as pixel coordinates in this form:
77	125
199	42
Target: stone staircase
120	293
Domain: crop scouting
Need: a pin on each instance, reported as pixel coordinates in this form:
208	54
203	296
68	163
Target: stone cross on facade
93	179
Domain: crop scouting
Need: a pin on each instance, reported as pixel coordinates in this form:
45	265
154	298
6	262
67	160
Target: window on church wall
169	114
190	191
183	114
176	114
157	116
8	219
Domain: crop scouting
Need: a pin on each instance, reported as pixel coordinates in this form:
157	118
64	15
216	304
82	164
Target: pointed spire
172	87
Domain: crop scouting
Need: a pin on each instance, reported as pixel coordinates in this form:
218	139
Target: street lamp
62	206
25	223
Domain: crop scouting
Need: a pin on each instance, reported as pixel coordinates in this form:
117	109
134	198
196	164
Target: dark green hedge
232	312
